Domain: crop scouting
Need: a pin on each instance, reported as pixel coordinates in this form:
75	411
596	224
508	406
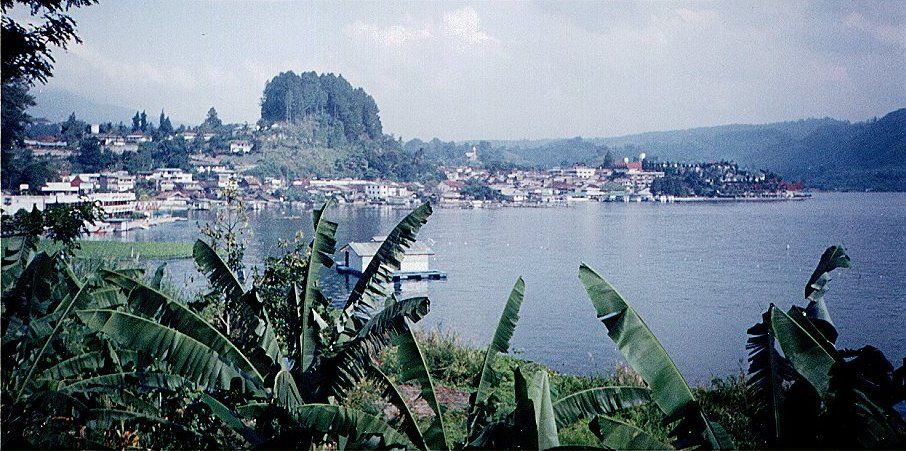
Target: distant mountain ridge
56	105
826	153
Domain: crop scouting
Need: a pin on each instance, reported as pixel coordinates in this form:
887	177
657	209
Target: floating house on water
355	257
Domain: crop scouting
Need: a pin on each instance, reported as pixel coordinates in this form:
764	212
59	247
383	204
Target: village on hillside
139	199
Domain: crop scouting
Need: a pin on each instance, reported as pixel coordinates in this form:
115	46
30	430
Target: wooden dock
399	275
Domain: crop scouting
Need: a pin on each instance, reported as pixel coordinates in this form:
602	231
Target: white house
240	146
380	190
357	255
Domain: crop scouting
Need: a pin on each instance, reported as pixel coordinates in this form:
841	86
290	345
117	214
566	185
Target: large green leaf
119	279
32	285
158	276
810	354
413	368
286	392
75	366
349	366
409	424
212	265
230	418
254	332
185	356
500	343
63	309
370	290
647	356
598	401
768	370
143	381
546	421
338	421
154	305
321	250
616	434
833	257
816	310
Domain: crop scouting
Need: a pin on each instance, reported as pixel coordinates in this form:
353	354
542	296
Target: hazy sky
504	69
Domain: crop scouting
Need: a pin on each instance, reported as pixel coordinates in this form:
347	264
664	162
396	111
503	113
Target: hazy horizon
466	71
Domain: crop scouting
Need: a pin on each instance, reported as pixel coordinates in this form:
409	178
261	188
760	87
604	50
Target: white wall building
240	146
356	256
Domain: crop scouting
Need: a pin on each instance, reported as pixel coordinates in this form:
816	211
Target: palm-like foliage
815	394
647	356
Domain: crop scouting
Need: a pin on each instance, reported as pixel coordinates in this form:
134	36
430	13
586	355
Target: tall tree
165	126
143	122
26	48
136	122
15	119
212	122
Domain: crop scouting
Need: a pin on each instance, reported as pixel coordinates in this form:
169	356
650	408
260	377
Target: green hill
825	153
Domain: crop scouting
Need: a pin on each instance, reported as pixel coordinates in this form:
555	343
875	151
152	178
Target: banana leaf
647	356
809	353
119	279
370	290
153	305
105	418
500	343
409	423
63	309
598	401
142	381
349	366
816	310
158	276
546	421
616	434
833	257
229	418
768	370
254	331
413	368
75	366
219	274
338	421
286	393
185	356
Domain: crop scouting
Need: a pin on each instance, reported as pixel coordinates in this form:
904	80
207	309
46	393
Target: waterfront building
357	255
115	205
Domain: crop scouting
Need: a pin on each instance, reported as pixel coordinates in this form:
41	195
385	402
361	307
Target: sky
502	70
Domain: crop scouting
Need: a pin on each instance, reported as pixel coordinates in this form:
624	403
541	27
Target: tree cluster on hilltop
327	99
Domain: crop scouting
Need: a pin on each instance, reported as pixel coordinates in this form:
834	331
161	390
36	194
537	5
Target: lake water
699	274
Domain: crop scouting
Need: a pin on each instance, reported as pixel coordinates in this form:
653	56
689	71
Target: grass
118	250
453	366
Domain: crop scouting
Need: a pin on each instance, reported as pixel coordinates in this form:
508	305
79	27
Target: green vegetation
119	250
344	113
107	357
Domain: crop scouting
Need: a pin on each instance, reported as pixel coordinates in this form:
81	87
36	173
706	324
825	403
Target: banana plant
535	421
814	394
327	350
647	356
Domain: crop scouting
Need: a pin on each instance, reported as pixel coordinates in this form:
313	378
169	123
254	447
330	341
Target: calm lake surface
699	275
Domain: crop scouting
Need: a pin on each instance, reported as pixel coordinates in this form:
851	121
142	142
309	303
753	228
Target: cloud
464	27
391	36
459	30
889	34
118	69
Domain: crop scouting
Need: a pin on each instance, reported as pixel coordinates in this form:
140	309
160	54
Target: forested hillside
824	153
321	126
326	100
